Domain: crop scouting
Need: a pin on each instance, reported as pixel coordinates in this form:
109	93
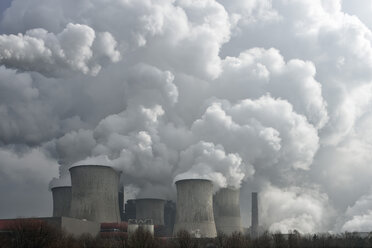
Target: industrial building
194	211
61	201
169	217
71	226
95	190
94	203
151	208
130	210
226	209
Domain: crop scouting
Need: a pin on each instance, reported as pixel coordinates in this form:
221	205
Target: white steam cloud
73	49
268	96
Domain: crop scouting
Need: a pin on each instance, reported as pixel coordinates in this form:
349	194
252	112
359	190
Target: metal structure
194	211
95	193
61	201
226	208
146	224
150	208
254	225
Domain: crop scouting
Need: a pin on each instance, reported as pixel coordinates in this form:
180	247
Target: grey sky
4	5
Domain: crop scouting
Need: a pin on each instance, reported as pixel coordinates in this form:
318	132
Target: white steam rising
269	96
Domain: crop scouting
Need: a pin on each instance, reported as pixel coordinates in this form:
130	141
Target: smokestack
95	193
226	208
61	201
254	225
194	211
121	203
149	208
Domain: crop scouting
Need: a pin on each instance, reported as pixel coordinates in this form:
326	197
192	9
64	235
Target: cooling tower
95	193
194	211
254	225
149	208
61	201
226	208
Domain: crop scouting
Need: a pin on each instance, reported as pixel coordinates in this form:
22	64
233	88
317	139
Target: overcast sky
272	96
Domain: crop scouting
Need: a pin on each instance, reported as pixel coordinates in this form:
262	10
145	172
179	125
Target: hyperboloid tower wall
226	209
150	208
61	201
194	211
95	193
254	225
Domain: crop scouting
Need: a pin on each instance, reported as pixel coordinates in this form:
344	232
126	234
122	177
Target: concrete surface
95	193
194	211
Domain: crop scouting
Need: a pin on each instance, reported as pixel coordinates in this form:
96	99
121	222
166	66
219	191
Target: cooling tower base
228	225
198	230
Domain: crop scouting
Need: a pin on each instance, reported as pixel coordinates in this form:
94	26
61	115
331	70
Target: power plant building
226	207
194	211
169	217
130	210
150	208
61	201
95	193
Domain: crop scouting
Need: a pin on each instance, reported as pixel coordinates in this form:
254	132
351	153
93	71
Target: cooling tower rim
150	199
92	166
57	187
229	188
193	180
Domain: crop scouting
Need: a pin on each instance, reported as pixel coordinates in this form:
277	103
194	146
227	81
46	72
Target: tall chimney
194	211
121	202
61	201
226	208
95	193
254	226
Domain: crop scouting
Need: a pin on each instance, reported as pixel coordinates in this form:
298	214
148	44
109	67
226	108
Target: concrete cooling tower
226	207
150	208
95	193
61	201
194	211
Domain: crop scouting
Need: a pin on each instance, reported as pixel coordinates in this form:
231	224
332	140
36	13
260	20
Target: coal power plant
194	211
226	208
95	190
61	201
96	197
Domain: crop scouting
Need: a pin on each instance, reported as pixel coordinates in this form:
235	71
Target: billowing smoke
268	96
76	48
